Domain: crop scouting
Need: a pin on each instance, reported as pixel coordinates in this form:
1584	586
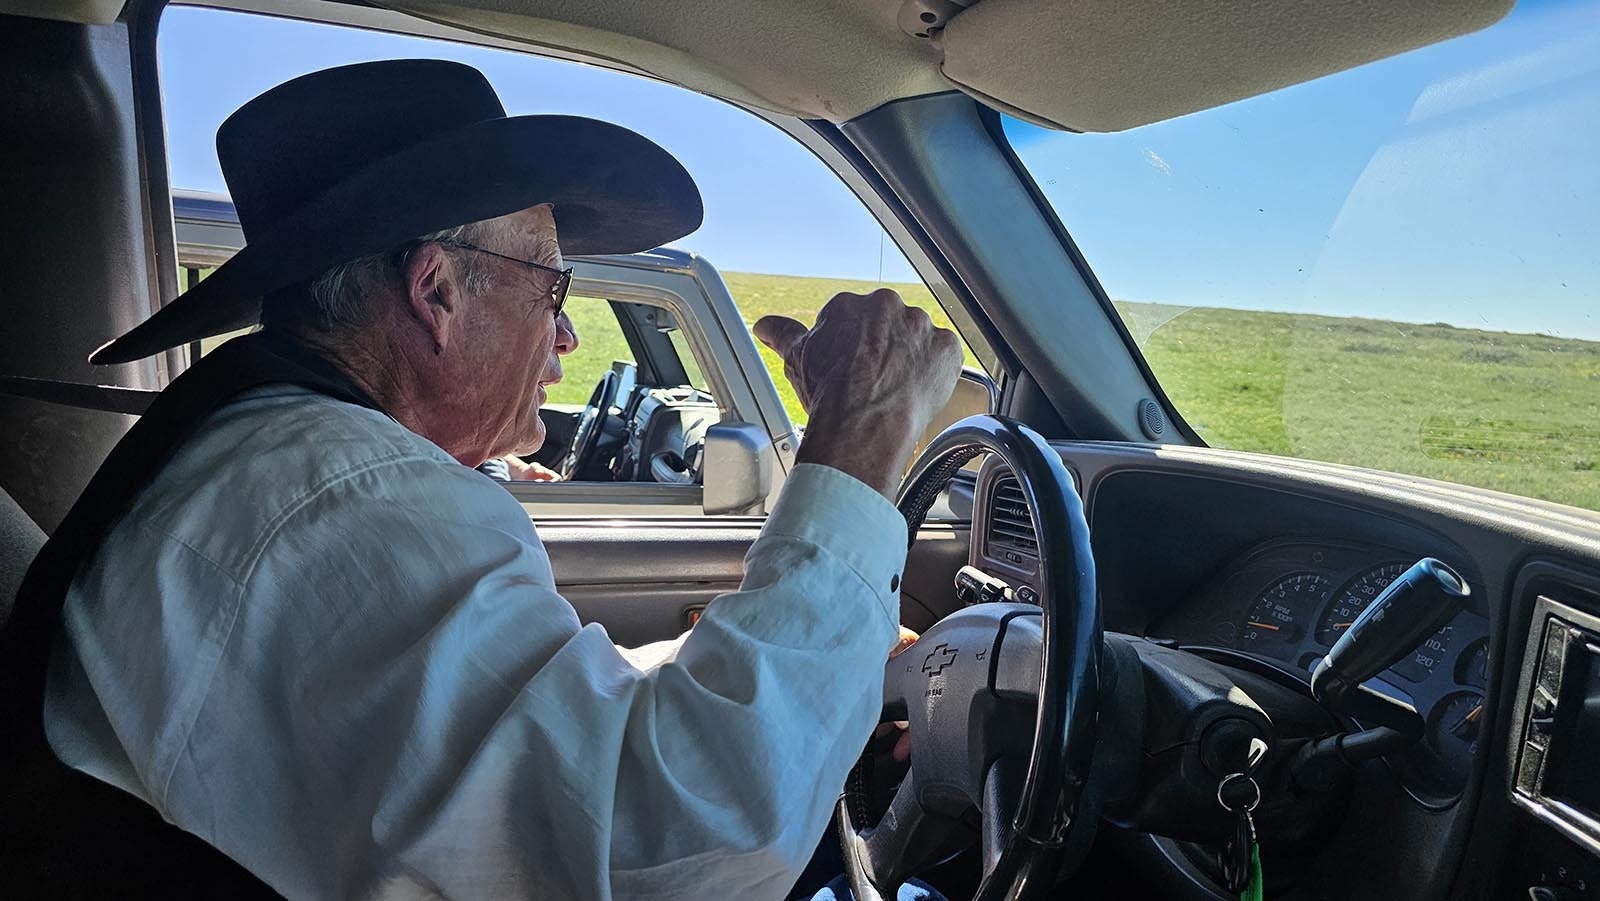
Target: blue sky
1455	183
771	206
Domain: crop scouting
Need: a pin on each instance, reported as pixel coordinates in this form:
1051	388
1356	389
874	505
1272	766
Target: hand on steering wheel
967	688
902	744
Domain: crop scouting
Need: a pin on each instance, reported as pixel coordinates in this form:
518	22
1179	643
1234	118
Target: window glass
799	297
600	343
691	368
1393	267
784	230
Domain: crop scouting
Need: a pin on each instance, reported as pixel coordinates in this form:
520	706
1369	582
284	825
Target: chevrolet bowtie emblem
942	656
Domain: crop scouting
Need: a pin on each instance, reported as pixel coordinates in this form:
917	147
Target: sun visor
1109	65
84	12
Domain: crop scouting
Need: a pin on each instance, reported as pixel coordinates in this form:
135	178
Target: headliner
1082	65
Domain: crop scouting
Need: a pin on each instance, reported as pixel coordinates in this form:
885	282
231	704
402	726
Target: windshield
1395	267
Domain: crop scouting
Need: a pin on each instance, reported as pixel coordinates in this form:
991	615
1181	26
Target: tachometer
1277	620
1354	599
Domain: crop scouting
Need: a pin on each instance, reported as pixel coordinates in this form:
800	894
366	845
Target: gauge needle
1264	626
1467	727
1337	626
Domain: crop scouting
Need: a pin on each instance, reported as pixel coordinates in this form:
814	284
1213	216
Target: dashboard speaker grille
1152	420
1010	524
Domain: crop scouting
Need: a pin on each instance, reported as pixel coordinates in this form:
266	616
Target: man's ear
430	294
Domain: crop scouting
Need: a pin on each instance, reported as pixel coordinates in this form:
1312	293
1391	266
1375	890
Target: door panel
640	577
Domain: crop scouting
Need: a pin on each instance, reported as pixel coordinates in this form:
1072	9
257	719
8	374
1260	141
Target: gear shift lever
1412	608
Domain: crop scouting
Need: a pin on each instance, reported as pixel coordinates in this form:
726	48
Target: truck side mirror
738	460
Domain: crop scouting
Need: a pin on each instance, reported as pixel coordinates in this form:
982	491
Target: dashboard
1269	560
1288	601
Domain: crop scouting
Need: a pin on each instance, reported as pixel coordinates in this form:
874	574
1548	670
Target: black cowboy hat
356	160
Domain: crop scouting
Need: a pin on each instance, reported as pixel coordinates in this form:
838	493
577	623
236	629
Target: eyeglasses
558	291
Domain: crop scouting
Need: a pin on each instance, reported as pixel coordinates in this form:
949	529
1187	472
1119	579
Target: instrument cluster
1288	602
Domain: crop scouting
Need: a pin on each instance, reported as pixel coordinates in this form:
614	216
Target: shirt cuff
841	515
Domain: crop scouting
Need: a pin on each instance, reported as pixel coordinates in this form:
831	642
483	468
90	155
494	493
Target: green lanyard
1239	794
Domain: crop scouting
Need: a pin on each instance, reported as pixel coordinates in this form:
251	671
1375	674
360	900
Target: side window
602	347
658	328
695	378
799	297
637	383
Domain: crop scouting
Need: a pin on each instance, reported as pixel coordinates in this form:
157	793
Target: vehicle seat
20	540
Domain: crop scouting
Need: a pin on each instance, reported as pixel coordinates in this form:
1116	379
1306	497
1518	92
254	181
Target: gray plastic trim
1564	818
939	158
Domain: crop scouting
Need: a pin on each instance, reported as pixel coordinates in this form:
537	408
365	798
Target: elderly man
309	634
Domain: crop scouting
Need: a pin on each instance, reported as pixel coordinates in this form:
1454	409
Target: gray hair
341	299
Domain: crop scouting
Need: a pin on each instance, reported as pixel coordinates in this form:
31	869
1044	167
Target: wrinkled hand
872	373
902	745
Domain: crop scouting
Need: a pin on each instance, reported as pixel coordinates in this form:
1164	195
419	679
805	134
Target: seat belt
104	398
63	833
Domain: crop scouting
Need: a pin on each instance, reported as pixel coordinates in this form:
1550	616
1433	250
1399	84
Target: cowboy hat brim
614	191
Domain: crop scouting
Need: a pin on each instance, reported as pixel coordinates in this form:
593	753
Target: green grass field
1516	413
1512	412
600	340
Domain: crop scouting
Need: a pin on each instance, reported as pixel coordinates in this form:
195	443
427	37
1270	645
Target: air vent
1010	524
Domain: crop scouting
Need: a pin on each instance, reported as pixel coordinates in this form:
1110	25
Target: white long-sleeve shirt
333	652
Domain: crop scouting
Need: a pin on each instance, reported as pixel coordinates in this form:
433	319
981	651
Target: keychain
1239	794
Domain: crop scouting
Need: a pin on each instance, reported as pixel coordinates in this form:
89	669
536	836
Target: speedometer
1354	599
1278	618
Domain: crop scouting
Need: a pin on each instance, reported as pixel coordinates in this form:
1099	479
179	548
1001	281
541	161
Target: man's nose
566	334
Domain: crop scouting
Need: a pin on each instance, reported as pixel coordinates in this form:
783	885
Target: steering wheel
586	437
972	684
